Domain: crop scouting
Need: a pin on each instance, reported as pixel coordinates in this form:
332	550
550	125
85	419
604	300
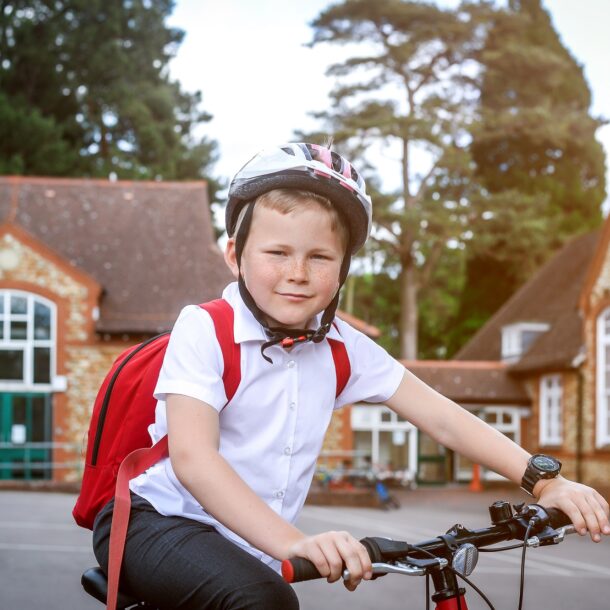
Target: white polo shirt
272	430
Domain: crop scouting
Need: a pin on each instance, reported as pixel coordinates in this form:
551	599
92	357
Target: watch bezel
533	473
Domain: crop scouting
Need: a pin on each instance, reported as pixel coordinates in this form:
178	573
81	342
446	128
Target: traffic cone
475	484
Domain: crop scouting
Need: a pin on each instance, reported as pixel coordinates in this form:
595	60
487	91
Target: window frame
602	393
550	433
512	335
30	343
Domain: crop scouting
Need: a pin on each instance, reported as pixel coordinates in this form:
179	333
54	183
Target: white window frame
369	418
512	348
551	410
602	410
26	384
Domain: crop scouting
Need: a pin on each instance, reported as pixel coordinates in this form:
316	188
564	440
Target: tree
410	88
540	168
89	80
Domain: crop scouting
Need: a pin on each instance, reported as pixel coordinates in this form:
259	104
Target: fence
31	461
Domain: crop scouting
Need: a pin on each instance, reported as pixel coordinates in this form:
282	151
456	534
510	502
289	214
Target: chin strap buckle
287	342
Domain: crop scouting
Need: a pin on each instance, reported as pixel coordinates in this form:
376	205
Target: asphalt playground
43	553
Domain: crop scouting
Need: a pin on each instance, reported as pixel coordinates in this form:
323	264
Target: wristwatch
539	466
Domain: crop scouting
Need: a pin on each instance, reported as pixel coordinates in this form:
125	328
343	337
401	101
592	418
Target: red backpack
118	443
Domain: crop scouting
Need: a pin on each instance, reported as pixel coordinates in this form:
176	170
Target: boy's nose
298	270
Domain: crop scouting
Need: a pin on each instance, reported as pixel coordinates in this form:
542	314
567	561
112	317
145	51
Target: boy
210	522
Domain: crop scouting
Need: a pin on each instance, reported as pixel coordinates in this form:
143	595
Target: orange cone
475	484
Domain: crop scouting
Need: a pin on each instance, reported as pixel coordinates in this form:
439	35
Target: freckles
328	277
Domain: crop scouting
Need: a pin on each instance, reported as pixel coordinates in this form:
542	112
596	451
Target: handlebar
415	559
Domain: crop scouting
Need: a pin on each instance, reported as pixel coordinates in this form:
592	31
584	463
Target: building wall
596	460
80	361
339	436
568	449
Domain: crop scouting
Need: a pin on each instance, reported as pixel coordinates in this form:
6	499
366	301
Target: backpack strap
223	318
343	369
133	465
141	459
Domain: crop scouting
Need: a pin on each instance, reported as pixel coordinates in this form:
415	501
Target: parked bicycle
445	559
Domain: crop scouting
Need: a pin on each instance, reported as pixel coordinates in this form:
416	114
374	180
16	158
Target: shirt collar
247	328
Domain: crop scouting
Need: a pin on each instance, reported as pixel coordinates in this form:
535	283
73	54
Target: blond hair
286	201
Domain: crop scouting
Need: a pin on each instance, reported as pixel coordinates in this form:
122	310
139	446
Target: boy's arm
455	428
193	435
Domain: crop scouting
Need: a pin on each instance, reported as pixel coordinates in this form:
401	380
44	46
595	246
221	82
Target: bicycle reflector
465	559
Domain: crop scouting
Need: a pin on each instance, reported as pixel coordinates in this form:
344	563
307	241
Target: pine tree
85	90
408	88
540	168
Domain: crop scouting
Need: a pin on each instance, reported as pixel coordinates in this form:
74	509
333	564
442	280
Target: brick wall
596	460
80	355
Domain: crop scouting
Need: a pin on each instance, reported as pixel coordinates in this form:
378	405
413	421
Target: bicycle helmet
307	167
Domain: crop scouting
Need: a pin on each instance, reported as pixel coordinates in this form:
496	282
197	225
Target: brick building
87	267
539	370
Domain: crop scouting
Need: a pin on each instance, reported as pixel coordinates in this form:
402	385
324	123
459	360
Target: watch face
544	463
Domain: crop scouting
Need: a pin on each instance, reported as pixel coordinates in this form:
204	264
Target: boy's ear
231	257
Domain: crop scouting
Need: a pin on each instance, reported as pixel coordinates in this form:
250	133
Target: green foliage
27	139
540	168
93	76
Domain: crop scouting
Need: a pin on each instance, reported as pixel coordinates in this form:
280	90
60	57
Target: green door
25	435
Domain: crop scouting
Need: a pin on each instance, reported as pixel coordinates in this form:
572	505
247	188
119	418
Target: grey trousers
177	563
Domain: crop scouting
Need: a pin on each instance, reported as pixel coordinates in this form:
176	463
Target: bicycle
444	558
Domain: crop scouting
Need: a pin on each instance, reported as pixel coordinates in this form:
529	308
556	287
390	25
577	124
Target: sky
260	81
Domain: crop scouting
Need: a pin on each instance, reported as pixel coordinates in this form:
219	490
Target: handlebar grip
299	569
557	518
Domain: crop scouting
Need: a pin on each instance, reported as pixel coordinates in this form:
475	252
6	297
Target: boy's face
290	264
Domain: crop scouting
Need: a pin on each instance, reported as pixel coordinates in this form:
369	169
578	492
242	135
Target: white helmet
308	167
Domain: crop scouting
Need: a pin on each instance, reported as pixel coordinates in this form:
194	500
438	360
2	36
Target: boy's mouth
294	296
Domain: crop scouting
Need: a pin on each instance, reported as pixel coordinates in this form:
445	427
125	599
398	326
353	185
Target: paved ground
42	554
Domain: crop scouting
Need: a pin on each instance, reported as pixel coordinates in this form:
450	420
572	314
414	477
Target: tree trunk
408	276
408	312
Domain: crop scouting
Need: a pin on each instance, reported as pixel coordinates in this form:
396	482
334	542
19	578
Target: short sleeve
375	375
193	363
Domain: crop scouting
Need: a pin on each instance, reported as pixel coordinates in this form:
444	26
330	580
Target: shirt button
287	451
292	405
279	494
290	364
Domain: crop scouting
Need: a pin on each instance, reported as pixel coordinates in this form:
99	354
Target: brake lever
412	567
550	536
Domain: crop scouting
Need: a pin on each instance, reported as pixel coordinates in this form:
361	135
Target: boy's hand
331	552
586	508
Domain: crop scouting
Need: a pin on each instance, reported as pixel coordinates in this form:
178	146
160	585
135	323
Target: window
602	432
518	338
551	410
27	340
386	438
505	419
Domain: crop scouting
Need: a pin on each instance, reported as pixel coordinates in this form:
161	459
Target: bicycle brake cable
530	524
